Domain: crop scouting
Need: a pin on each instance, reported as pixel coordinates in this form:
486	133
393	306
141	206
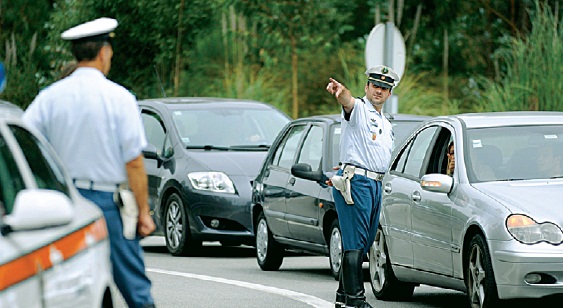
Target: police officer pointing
95	127
365	152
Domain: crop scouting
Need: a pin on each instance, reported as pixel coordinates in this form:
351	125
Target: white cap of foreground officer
382	76
91	43
92	31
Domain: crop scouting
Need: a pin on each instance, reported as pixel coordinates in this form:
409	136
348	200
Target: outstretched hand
334	87
342	94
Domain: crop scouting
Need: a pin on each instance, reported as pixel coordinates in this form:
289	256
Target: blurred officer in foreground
365	153
95	127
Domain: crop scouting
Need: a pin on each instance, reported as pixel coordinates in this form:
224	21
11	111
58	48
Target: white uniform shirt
367	138
93	124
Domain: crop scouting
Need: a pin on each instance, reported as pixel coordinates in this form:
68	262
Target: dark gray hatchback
202	155
292	207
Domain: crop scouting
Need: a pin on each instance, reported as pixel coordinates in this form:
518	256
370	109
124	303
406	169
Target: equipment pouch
125	200
342	183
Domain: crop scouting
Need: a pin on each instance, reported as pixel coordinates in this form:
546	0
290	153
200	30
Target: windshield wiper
250	147
207	147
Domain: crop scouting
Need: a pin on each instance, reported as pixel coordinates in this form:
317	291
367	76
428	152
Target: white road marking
305	298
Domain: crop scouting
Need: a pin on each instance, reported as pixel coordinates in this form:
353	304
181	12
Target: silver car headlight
528	231
212	181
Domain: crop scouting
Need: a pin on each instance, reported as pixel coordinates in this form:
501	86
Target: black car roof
393	117
209	102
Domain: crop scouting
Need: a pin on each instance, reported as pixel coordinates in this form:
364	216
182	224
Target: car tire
384	283
479	275
179	241
269	253
335	249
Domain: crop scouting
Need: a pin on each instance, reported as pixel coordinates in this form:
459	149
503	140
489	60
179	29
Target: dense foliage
475	55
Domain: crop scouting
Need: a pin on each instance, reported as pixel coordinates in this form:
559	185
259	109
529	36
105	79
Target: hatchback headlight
212	181
528	231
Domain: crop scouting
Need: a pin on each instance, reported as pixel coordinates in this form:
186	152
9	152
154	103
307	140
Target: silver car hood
543	198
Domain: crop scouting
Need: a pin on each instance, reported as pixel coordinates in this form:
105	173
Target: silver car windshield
228	127
514	153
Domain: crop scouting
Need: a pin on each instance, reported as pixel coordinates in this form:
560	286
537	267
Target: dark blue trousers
359	221
126	255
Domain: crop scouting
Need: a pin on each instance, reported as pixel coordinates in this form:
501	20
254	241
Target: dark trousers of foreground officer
126	255
358	230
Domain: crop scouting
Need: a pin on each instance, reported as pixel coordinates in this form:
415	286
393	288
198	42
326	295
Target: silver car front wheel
479	277
384	284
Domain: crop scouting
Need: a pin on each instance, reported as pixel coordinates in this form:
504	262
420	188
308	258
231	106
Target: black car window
285	153
312	151
154	130
418	151
11	181
335	145
228	127
46	170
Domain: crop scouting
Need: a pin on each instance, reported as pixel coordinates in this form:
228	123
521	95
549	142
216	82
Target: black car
292	207
202	155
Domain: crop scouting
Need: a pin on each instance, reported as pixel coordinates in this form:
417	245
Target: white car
54	245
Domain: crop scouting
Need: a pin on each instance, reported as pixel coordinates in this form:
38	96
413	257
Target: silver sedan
492	229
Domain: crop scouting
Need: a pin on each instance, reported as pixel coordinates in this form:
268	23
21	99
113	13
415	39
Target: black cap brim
380	84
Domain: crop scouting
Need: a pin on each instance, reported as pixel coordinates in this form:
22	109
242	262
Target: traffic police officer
365	152
94	125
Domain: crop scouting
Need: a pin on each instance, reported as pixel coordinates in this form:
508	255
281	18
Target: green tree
532	67
153	38
296	26
21	24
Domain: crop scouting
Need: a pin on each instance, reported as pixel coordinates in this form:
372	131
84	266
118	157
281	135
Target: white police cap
382	76
95	30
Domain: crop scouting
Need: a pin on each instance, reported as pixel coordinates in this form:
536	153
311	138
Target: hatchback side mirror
150	152
305	171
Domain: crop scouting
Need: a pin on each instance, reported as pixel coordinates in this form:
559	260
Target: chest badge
373	136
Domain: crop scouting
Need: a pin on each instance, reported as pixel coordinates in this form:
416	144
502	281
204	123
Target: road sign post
385	45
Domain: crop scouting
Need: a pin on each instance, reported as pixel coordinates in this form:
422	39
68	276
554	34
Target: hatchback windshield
229	127
514	153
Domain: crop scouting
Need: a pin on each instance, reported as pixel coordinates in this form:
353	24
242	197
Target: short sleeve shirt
367	138
93	124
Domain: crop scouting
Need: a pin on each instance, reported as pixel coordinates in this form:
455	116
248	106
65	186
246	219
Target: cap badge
384	70
382	77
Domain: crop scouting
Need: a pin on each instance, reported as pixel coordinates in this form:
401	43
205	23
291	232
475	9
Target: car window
11	181
417	152
46	170
228	127
403	129
514	153
335	145
438	160
285	153
154	129
312	150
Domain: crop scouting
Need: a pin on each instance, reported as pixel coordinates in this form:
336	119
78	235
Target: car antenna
159	81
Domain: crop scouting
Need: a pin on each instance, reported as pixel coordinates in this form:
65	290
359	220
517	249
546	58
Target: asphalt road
230	277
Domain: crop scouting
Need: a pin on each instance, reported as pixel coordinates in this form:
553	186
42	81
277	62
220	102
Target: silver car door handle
387	189
415	196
